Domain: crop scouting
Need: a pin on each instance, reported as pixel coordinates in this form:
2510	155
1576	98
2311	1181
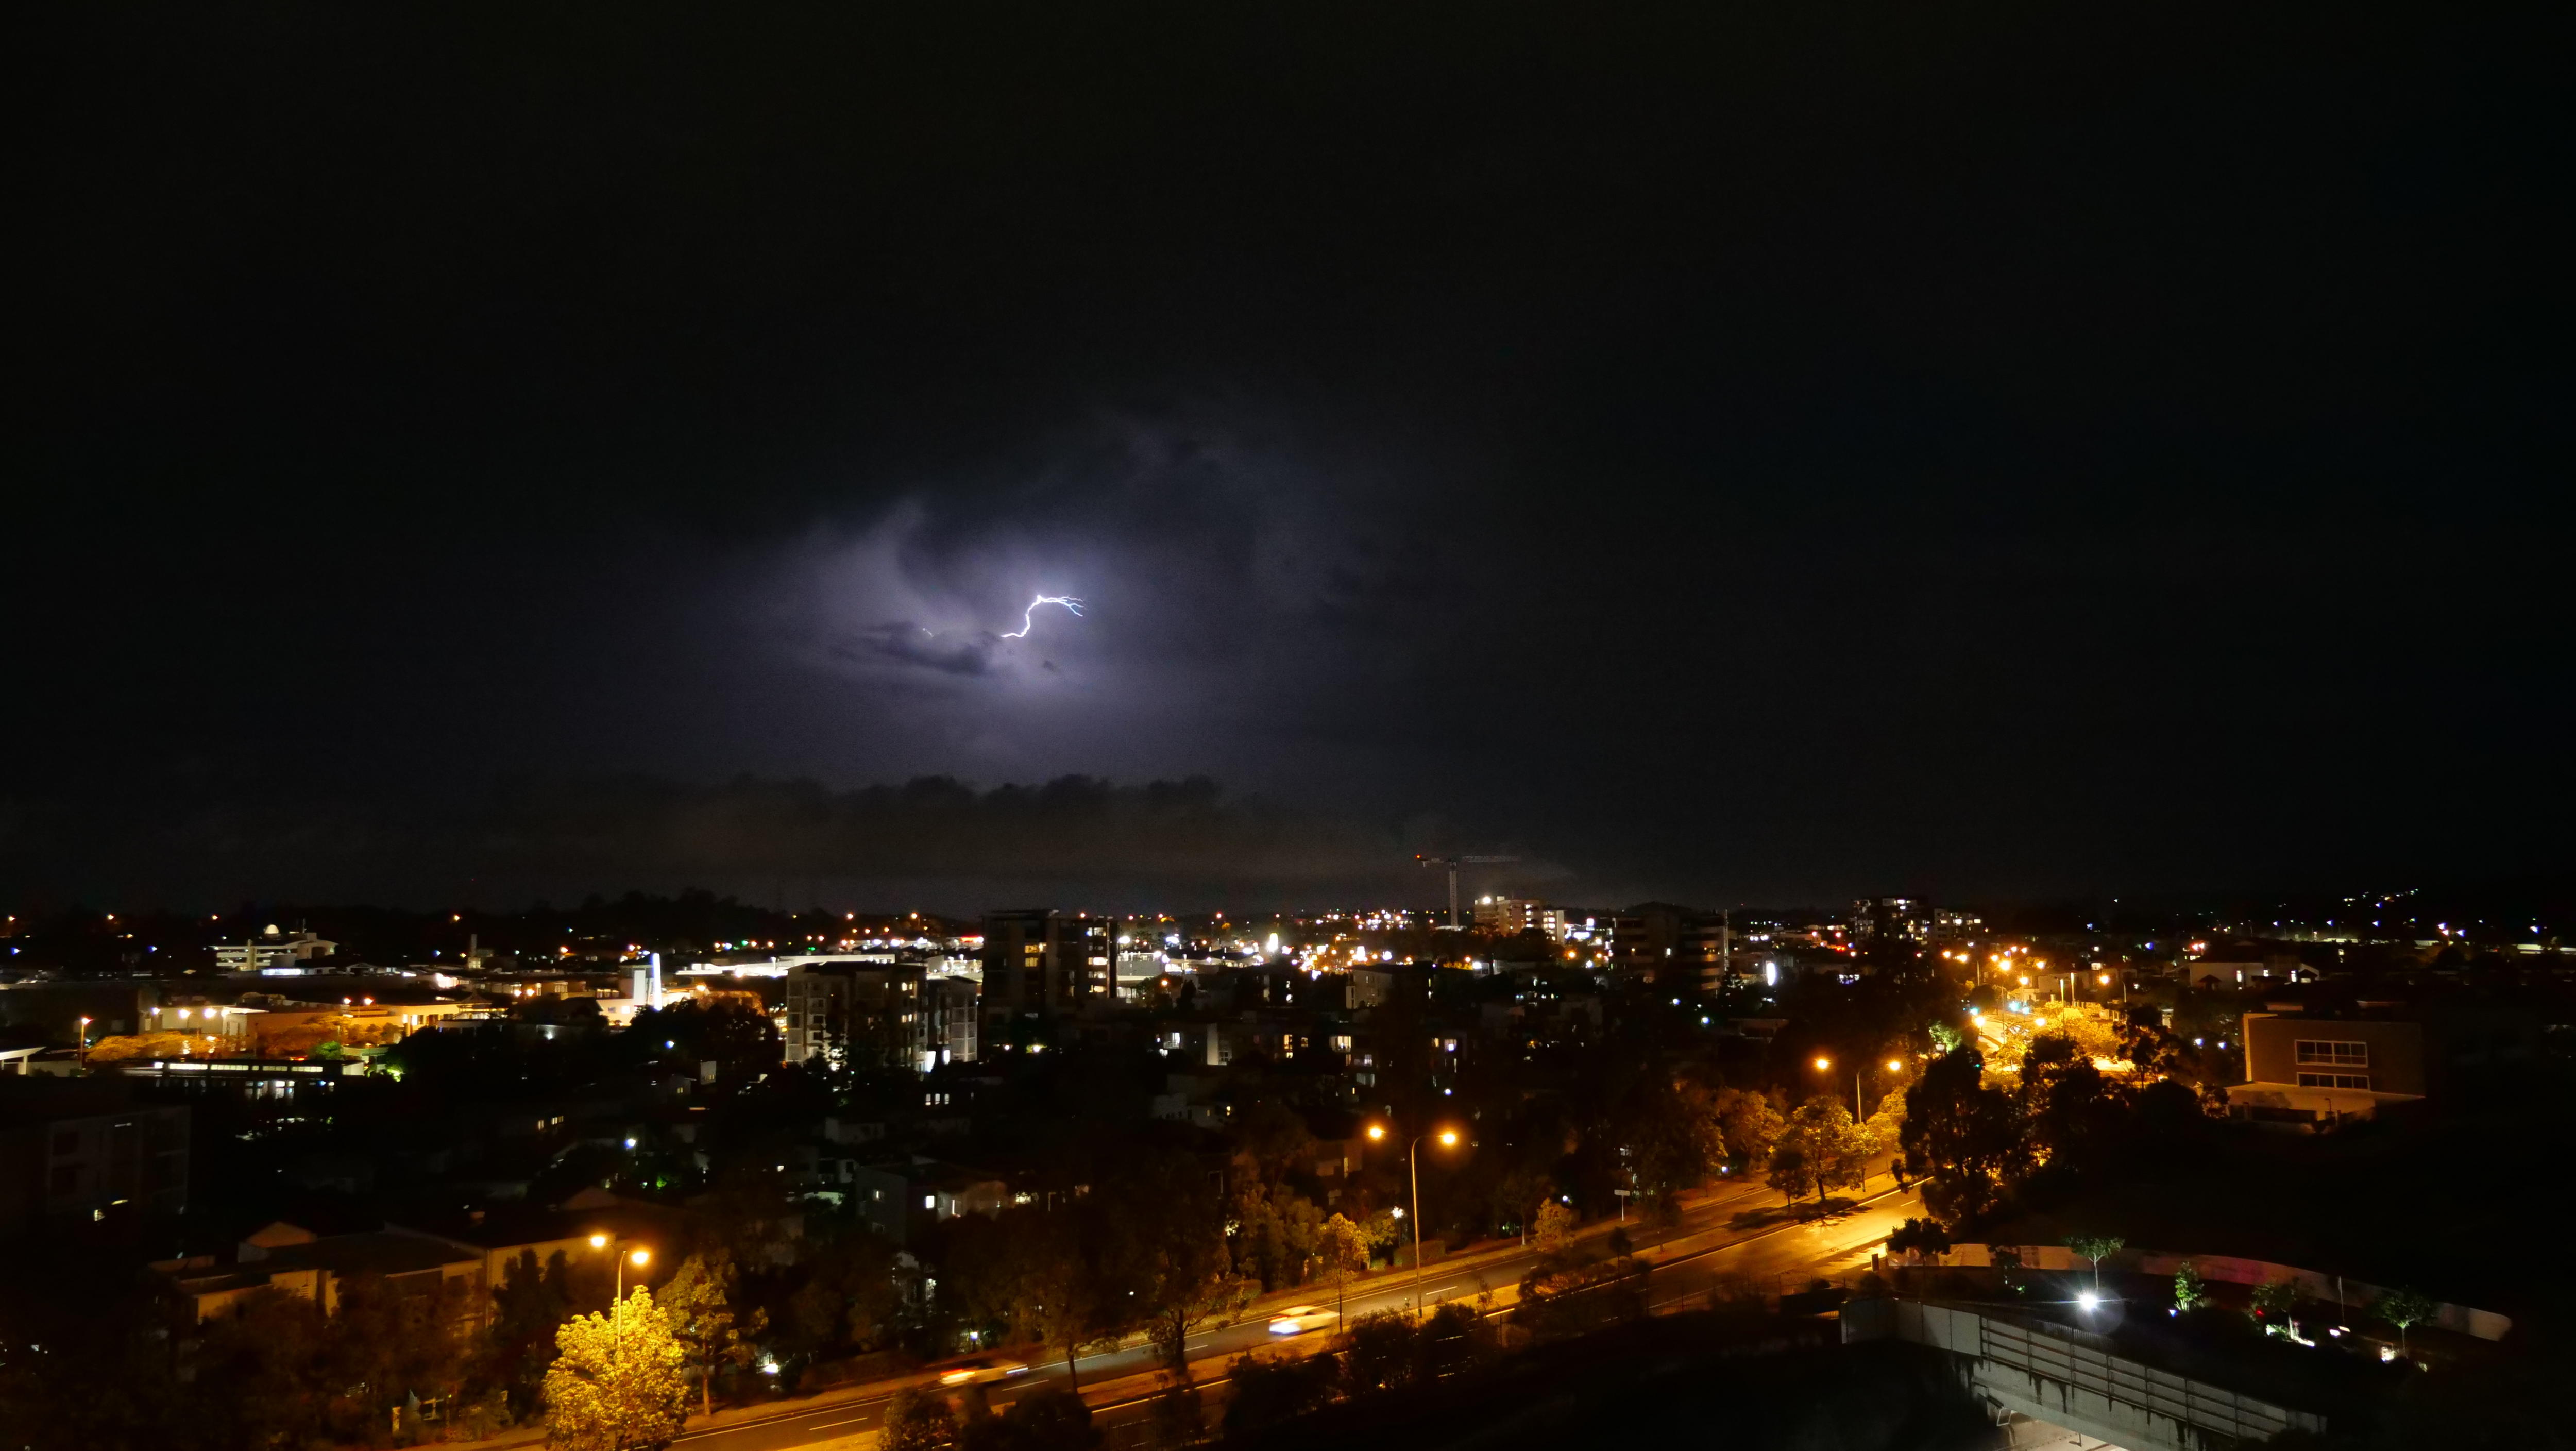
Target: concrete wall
2228	1270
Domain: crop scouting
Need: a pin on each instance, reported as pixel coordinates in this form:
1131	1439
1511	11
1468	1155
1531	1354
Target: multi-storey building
888	1014
1520	914
77	1151
1040	964
1667	943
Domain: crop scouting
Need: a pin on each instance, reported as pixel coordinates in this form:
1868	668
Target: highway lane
1710	1249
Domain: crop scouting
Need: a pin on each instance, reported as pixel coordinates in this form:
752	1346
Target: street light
1823	1064
639	1257
1413	1172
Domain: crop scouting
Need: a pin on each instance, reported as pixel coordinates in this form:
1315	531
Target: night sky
460	454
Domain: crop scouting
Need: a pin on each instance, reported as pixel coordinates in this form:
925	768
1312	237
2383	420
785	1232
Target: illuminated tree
1887	1121
2189	1292
1554	1227
1747	1123
2274	1301
1820	1148
699	1304
2096	1248
1341	1253
1274	1236
615	1384
2404	1309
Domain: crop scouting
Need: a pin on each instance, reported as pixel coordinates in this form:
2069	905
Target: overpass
2049	1374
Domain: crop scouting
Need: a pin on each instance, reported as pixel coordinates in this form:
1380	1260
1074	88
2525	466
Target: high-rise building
1040	963
872	1014
1673	944
1886	918
1520	914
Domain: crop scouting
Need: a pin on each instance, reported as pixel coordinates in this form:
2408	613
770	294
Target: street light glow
1448	1136
1824	1063
1377	1131
640	1257
599	1241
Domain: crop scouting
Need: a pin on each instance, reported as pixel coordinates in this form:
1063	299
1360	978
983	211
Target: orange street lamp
639	1257
1824	1064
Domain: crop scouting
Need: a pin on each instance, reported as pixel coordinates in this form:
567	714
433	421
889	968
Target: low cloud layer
933	842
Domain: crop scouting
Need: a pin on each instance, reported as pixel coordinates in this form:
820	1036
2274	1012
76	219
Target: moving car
981	1370
1298	1319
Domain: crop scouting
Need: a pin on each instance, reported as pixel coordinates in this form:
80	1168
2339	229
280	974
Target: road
1736	1236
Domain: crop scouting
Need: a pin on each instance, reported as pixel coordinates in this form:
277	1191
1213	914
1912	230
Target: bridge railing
2143	1389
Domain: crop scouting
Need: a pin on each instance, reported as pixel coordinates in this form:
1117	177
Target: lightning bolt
1028	616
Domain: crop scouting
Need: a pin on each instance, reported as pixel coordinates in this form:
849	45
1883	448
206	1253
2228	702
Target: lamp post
1413	1173
639	1256
80	1059
1824	1065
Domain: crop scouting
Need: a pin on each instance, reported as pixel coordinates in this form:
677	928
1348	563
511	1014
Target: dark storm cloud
913	644
1762	454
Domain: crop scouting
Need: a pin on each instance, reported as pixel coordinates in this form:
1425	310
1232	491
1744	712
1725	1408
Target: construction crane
1452	863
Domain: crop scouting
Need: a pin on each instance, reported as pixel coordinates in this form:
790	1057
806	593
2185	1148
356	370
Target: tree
1821	1147
1919	1236
1179	1262
917	1420
1554	1226
2404	1309
2096	1248
1048	1420
1385	1234
1965	1139
1274	1238
2152	1049
387	1347
850	1295
1887	1121
268	1354
1177	1417
1747	1124
1380	1350
1072	1299
527	1306
1267	1392
2189	1293
1677	1139
699	1302
2273	1302
615	1384
1341	1253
